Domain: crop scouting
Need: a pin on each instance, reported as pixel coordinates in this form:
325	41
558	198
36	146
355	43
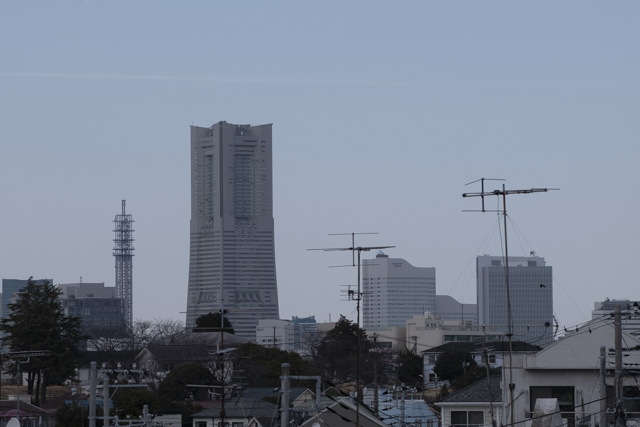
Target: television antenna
504	193
355	296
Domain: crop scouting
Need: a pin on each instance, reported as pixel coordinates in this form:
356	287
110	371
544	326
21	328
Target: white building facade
276	333
394	291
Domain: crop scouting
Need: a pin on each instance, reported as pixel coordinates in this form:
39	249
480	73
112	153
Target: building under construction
123	252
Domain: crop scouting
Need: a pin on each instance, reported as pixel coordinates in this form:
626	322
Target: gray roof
241	408
260	393
469	347
477	392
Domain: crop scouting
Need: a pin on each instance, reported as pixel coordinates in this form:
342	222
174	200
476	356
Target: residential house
495	352
30	415
343	413
571	370
479	404
398	406
241	412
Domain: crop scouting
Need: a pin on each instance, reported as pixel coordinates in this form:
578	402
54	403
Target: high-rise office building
97	305
530	293
394	290
232	257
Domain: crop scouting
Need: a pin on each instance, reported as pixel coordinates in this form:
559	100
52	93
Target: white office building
276	333
530	295
394	291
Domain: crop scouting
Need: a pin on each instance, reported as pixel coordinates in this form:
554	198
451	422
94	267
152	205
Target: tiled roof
477	392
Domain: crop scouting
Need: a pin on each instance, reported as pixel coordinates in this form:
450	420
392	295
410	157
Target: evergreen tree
36	322
211	322
337	352
452	364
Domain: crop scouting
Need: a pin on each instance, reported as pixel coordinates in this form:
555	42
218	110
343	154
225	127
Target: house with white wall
578	371
477	405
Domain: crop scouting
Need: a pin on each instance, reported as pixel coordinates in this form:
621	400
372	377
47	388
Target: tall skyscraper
531	295
394	290
232	257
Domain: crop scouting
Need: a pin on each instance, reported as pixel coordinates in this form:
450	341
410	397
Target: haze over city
381	113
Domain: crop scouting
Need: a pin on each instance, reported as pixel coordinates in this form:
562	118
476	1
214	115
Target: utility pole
286	394
619	382
603	387
504	193
376	388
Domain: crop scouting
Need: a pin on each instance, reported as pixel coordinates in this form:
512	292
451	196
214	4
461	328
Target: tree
337	352
176	385
452	364
212	322
410	368
261	366
36	322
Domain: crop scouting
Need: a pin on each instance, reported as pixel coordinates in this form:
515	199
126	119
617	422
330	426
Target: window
201	424
467	418
236	424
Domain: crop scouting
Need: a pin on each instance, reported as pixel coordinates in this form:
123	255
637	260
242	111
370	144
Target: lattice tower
123	252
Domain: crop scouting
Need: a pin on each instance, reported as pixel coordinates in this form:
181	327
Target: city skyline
379	123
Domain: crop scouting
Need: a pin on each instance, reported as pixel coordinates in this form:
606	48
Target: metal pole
603	387
105	401
286	395
376	392
146	416
620	421
358	348
512	386
92	394
403	421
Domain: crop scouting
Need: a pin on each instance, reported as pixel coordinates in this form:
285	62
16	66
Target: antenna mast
355	297
504	193
123	252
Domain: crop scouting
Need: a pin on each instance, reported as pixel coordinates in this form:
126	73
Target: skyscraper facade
530	294
232	255
394	290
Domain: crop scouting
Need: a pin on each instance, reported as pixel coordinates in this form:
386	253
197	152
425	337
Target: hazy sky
381	112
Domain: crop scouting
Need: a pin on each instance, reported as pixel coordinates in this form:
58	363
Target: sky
381	112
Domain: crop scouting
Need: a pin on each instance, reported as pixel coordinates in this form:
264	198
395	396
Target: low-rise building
276	333
479	404
578	371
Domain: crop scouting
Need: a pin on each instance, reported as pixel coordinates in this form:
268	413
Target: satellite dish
13	422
